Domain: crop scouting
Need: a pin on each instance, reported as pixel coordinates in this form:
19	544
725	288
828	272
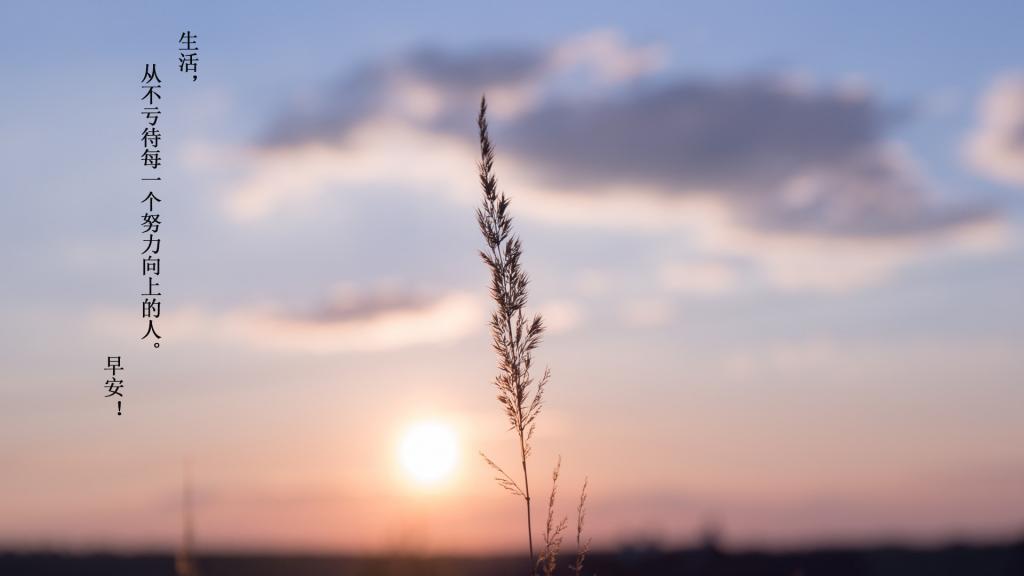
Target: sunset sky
778	247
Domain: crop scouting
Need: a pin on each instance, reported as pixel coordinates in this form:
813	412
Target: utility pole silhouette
183	563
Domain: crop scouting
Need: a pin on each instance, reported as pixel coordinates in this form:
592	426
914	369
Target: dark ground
992	560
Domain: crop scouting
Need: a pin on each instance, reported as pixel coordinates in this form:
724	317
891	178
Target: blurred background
777	247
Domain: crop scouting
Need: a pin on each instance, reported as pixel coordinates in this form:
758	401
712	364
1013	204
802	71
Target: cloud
384	319
377	152
351	321
996	146
375	327
688	135
782	174
793	161
433	88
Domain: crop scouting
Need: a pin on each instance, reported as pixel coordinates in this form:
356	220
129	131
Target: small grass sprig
553	532
582	546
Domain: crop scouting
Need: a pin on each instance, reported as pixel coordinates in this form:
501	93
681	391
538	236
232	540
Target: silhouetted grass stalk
514	338
581	547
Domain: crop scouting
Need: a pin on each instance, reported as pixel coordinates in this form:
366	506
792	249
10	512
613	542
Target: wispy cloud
352	322
370	325
996	146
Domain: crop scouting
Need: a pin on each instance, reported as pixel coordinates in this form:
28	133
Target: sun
428	452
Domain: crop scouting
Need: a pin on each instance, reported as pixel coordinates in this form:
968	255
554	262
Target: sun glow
428	452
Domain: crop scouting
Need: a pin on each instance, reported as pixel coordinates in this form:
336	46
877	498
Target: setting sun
428	452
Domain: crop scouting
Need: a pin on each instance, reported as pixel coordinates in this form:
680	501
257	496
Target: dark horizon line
642	546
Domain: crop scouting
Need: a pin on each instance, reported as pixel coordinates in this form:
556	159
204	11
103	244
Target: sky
777	246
